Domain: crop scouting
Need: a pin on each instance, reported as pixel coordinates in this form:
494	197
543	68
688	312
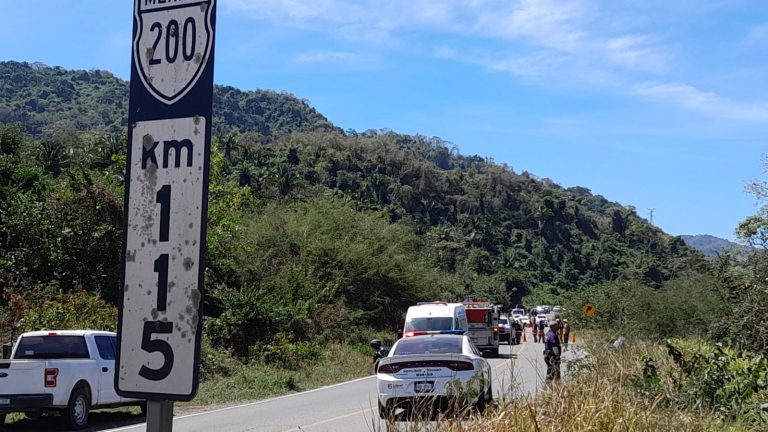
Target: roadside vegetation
319	239
638	387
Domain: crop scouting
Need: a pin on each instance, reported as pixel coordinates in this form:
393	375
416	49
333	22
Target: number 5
156	345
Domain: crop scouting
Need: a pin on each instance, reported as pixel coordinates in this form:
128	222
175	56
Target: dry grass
602	394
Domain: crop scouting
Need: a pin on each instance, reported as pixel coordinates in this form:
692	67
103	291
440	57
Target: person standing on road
552	352
566	334
535	331
542	325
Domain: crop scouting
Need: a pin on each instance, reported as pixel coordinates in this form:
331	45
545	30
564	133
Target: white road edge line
318	423
259	402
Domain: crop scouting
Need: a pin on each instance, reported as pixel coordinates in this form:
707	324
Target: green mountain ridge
712	246
308	225
39	96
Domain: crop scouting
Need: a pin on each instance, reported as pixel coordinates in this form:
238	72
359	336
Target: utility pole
651	211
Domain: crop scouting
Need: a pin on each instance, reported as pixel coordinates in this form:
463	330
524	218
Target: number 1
163	198
161	268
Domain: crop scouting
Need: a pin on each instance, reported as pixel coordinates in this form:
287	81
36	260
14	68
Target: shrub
734	383
216	362
284	353
77	310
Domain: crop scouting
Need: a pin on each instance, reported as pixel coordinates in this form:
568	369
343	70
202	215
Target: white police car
432	371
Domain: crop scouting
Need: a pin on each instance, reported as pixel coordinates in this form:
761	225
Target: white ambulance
432	317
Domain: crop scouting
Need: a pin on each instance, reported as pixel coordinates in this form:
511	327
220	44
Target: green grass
257	381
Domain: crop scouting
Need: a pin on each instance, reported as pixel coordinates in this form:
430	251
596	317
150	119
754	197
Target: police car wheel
386	412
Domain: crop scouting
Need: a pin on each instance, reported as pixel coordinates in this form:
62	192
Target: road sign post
166	204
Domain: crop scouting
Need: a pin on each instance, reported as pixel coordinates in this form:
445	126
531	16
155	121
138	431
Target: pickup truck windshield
52	347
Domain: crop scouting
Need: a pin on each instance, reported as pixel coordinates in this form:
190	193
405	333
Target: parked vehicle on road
505	331
541	318
518	313
67	372
436	371
435	316
483	321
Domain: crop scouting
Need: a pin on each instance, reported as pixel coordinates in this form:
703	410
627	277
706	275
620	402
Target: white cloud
573	43
330	57
568	31
757	36
342	59
636	52
351	19
545	23
708	103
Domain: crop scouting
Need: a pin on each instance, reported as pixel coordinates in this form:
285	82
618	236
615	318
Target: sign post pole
166	204
159	416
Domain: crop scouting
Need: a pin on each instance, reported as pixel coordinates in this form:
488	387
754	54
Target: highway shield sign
172	44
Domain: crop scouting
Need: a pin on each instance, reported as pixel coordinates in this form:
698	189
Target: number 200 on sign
170	34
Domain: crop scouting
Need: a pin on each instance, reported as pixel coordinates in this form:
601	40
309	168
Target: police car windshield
429	345
503	321
429	324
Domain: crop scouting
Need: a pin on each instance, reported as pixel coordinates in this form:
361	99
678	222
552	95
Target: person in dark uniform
552	352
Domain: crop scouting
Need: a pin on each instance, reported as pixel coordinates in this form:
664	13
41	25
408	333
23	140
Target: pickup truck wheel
76	413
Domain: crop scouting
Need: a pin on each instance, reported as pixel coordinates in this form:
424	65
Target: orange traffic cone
524	332
573	338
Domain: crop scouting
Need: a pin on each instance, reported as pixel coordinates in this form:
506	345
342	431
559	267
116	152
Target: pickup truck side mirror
7	350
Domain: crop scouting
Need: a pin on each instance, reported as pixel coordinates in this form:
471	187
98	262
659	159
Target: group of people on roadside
563	332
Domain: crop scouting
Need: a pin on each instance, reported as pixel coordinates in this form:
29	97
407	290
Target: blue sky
655	104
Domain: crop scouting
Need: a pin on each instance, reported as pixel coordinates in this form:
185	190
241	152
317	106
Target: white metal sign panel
160	310
172	44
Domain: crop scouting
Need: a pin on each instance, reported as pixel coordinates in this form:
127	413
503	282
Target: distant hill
39	96
713	246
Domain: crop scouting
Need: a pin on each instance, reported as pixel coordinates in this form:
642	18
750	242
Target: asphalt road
350	406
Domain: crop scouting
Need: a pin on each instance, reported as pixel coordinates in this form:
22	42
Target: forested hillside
42	98
310	229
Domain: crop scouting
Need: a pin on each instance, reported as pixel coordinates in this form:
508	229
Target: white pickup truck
61	371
